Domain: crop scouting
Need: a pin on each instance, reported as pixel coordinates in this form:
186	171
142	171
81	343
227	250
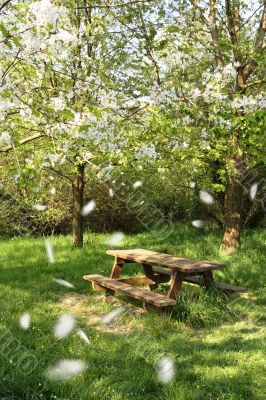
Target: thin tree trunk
77	219
233	204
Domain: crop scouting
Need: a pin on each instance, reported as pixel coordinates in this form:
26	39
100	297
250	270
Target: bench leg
208	280
148	271
176	283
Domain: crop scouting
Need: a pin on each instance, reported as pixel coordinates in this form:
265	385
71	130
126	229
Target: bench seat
155	299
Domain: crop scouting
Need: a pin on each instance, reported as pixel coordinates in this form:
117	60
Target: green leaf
4	30
17	42
67	114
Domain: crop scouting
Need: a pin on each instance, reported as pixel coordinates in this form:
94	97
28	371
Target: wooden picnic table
158	268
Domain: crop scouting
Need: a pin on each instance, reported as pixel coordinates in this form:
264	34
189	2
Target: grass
216	341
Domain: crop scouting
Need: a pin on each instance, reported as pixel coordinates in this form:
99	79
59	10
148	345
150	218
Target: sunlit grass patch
216	341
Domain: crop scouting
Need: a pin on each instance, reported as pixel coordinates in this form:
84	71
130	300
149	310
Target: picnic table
158	268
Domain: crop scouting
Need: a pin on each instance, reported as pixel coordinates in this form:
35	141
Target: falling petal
64	283
49	251
65	369
111	315
53	191
116	239
88	208
24	321
165	368
192	185
137	184
64	326
198	223
40	207
206	197
111	192
253	191
83	336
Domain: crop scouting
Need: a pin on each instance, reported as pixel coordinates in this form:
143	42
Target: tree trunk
233	202
77	219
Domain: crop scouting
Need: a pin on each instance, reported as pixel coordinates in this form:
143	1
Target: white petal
64	326
116	239
111	192
40	207
253	191
65	369
206	197
88	208
24	321
165	368
137	184
111	315
49	250
53	190
198	223
83	336
64	283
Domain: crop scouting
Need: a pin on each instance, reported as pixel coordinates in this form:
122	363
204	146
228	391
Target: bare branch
5	3
23	141
115	5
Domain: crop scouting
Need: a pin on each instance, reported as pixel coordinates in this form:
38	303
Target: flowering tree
208	100
64	84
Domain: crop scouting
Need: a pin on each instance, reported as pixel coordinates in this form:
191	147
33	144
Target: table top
165	260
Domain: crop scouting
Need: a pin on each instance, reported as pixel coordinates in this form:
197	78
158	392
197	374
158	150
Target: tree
65	82
208	104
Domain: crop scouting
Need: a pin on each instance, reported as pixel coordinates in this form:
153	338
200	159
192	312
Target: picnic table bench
158	268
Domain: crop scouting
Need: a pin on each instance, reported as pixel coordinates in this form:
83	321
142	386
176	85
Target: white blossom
253	191
83	336
40	207
64	326
206	197
137	184
198	223
111	315
49	250
65	369
25	321
116	239
165	368
62	282
88	208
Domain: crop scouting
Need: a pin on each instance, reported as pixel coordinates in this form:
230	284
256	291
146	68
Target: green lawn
217	342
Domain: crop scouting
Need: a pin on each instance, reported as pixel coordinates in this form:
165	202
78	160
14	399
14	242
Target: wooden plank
156	299
165	260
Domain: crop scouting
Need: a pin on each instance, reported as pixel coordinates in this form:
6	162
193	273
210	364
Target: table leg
208	280
117	268
176	283
148	271
115	274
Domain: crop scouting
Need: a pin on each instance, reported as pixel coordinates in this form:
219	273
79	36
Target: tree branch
115	5
5	3
214	33
22	141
